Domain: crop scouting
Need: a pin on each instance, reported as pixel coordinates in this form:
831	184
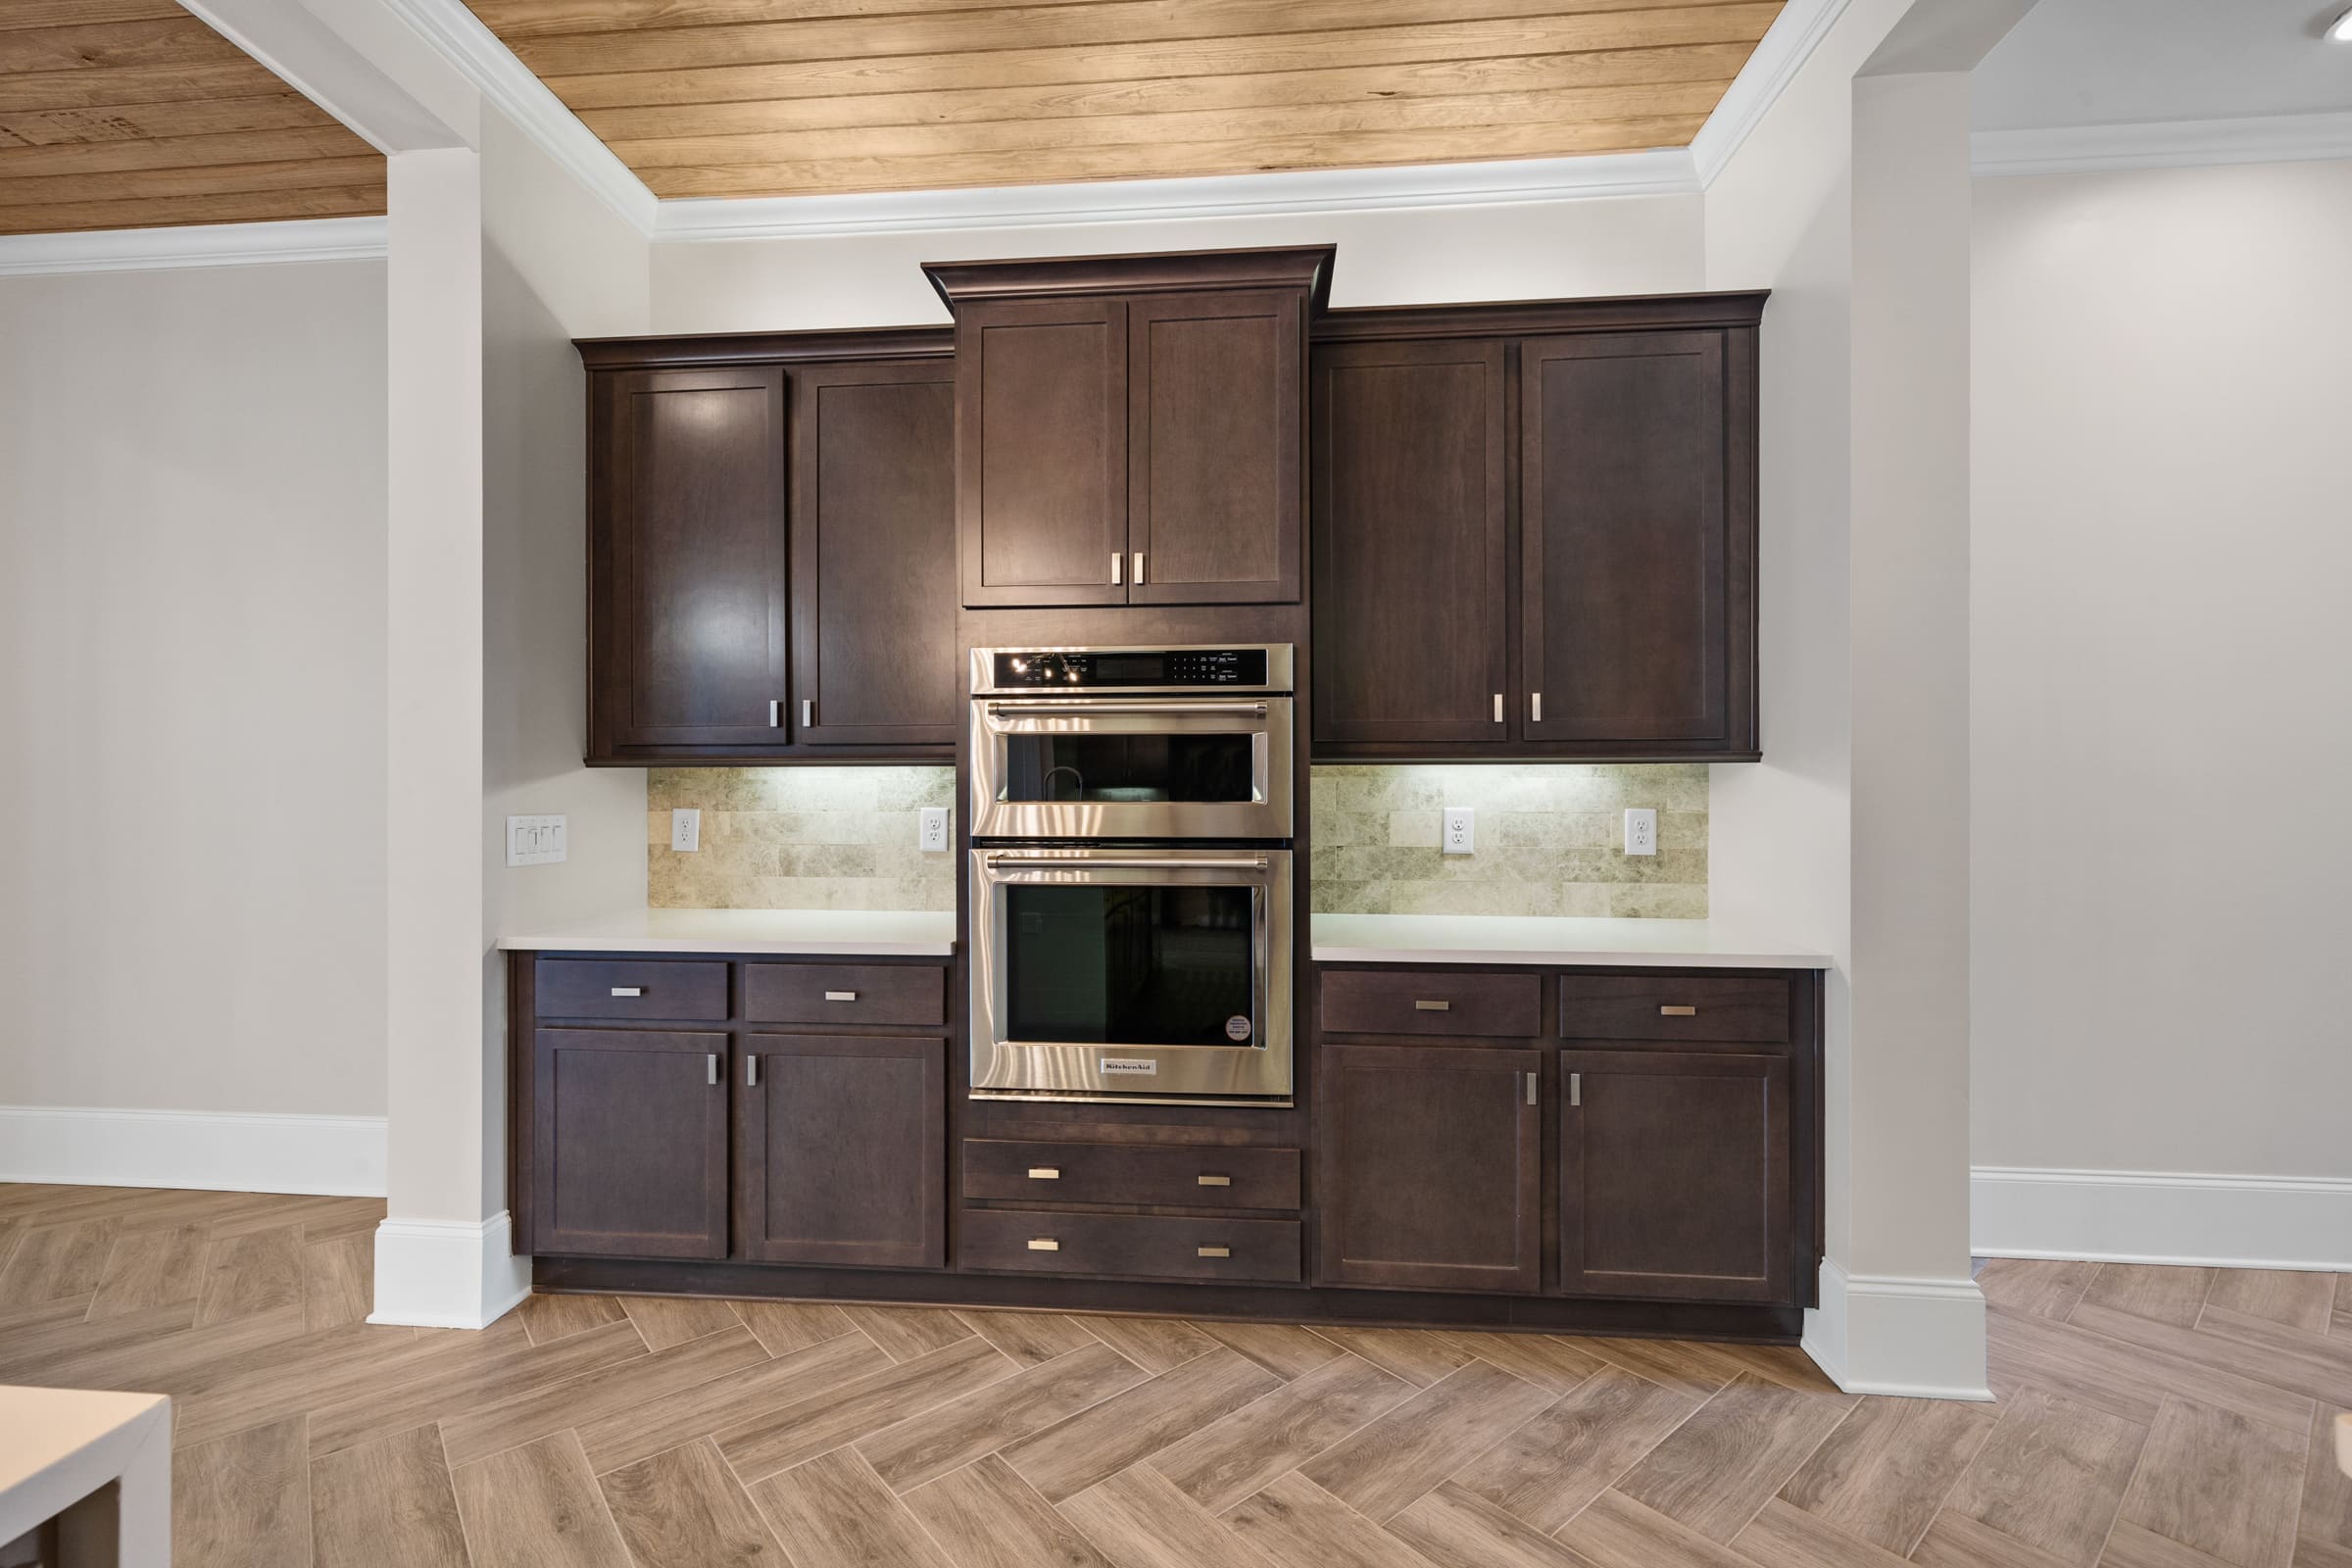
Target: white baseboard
447	1274
1920	1338
219	1151
2129	1216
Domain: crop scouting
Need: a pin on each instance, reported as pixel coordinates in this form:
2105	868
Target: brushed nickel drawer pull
1212	1251
1432	1007
841	996
1216	1181
628	990
1045	1173
711	1067
1678	1012
1576	1090
1044	1244
751	1072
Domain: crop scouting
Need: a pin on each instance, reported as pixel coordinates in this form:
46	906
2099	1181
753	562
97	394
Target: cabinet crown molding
1541	317
765	348
1304	267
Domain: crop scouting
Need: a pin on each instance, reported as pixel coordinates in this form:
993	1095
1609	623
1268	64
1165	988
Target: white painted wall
2162	539
1534	250
192	690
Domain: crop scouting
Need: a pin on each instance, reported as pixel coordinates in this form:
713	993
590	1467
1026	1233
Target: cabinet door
1409	542
1041	451
1430	1167
873	554
1626	538
687	628
1674	1175
841	1146
1214	431
629	1142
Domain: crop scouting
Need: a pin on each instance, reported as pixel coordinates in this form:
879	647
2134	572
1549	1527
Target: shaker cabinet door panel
1626	538
629	1142
1674	1175
687	616
1411	537
1214	431
841	1150
873	554
1431	1167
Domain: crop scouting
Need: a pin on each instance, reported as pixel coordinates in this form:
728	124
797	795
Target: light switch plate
932	835
535	841
1461	830
686	830
1641	831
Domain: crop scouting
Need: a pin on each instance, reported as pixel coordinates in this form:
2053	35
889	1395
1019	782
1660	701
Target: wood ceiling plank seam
1745	23
137	122
522	19
292	145
22	15
224	179
242	208
121	85
97	47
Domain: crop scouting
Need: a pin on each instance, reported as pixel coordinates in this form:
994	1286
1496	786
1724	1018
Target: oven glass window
1129	965
1130	767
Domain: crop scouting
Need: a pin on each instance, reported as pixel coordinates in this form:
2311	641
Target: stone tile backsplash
1549	840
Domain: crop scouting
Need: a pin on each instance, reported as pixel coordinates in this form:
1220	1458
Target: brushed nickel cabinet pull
1535	705
1212	1251
807	711
1117	561
1530	1087
1498	707
1679	1013
751	1072
841	996
1139	568
1216	1181
1045	1173
1576	1089
1044	1244
711	1067
628	990
775	713
1423	1005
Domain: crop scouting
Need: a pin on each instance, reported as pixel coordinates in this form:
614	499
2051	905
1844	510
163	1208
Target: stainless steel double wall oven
1131	812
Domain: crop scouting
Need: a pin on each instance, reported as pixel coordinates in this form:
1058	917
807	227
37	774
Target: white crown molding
143	249
1778	57
2161	144
215	1151
1665	171
2138	1216
461	38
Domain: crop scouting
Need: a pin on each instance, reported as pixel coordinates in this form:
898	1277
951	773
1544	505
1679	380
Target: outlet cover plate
1460	835
933	835
1641	831
536	841
686	829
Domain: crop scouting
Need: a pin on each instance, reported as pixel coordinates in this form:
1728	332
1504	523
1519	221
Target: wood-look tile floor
2148	1418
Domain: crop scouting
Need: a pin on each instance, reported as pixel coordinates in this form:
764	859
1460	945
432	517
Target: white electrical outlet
1641	831
535	840
1461	831
932	837
686	830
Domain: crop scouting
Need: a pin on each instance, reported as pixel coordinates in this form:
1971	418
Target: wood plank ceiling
132	113
792	97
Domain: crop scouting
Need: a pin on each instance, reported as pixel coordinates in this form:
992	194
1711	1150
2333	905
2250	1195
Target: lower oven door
1154	975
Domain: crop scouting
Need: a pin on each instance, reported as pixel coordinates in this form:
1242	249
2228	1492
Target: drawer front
1636	1008
845	993
1162	1175
1436	1002
629	988
1142	1245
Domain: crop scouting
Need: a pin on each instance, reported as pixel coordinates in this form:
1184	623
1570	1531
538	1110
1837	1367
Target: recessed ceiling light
2341	32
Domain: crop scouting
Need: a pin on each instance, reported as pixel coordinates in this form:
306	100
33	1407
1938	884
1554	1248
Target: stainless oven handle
1099	862
1097	705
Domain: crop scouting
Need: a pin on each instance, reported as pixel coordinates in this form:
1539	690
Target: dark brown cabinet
628	1142
1430	1169
1132	429
1536	530
771	566
1675	1175
841	1147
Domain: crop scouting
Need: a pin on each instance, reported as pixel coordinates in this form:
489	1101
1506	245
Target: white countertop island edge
867	933
1550	940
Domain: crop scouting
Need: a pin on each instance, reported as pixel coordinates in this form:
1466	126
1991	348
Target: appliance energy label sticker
1116	1066
1237	1027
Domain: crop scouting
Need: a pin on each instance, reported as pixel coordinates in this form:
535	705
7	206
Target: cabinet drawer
629	988
1165	1175
845	993
1635	1008
1148	1246
1441	1002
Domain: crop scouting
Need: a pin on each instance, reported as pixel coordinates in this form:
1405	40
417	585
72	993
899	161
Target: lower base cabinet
629	1142
840	1151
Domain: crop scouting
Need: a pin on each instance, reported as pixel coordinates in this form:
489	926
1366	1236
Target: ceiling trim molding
1664	172
459	37
1778	57
145	249
2161	144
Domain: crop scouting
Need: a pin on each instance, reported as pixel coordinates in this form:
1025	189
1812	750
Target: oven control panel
1079	669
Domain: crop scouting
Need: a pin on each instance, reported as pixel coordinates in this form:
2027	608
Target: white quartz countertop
1550	939
879	933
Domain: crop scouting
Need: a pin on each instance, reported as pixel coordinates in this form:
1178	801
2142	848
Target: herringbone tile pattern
2148	1418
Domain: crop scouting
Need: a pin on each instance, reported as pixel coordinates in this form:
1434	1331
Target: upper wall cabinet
1132	429
1536	530
770	564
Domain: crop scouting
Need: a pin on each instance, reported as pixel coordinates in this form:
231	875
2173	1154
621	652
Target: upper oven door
1131	768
